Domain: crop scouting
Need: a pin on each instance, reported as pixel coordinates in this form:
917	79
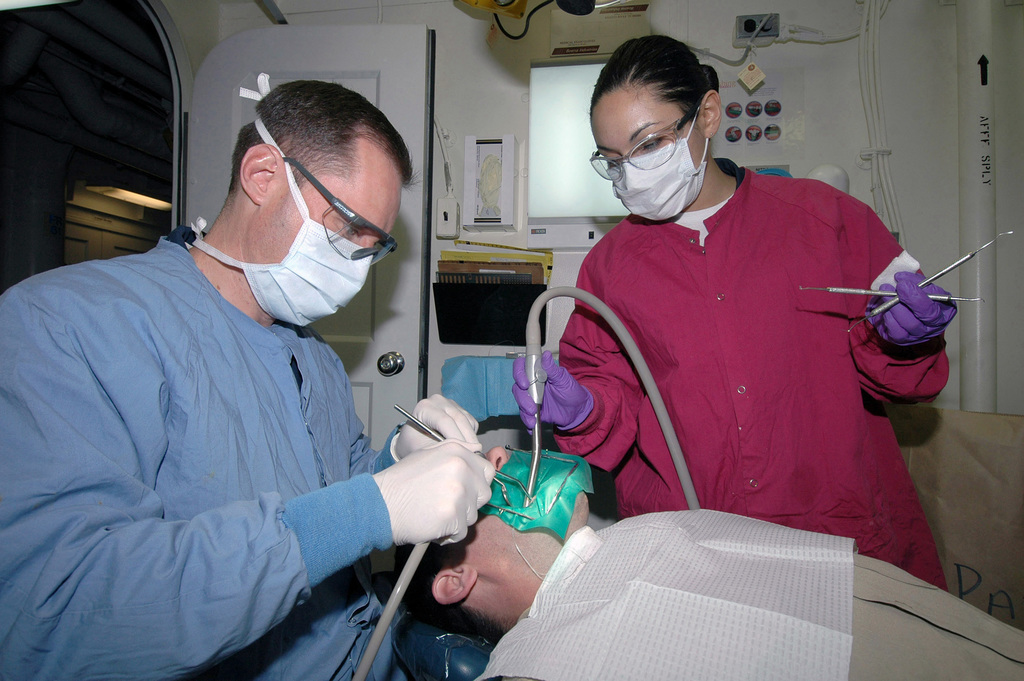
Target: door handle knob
390	363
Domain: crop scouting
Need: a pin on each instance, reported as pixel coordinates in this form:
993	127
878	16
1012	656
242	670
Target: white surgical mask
313	280
663	192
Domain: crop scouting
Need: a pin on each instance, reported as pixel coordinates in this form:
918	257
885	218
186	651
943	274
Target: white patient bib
688	595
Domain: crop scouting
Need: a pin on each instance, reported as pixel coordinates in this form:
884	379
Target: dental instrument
420	425
946	270
888	294
538	377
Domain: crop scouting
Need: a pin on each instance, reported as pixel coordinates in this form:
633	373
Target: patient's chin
488	625
580	513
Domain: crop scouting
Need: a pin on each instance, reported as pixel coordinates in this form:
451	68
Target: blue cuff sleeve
339	524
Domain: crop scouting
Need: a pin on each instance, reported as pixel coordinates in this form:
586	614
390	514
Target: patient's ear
453	584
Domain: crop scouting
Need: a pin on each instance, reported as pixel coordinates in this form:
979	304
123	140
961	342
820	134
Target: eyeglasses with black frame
341	222
651	152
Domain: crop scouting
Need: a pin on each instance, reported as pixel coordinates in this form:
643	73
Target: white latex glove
434	493
444	416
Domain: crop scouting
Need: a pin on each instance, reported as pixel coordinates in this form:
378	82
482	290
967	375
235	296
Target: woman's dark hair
318	123
665	65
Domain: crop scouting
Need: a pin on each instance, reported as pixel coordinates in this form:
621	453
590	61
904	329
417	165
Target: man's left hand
443	415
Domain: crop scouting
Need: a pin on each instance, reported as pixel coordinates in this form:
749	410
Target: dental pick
946	270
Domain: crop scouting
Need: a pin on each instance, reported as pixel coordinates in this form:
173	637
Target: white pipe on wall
977	162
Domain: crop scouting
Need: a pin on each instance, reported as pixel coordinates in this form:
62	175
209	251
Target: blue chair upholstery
430	654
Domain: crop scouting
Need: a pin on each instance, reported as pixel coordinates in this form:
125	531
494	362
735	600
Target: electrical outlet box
746	24
447	225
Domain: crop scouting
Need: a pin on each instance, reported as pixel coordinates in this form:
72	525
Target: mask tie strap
300	203
703	158
199	227
262	82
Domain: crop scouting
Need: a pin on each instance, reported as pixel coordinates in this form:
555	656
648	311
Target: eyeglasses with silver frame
651	152
341	222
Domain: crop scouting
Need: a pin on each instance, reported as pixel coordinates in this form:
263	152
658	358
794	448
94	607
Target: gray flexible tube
389	611
533	353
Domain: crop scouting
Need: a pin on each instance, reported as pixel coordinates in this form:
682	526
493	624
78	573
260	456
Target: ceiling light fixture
22	4
131	197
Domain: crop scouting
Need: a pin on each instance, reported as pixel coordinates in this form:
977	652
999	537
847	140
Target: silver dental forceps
888	294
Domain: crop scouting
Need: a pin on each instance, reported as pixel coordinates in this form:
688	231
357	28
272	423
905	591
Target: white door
391	66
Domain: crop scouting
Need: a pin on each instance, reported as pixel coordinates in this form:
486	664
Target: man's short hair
454	618
317	123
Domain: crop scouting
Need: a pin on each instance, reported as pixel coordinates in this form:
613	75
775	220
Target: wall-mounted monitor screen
563	187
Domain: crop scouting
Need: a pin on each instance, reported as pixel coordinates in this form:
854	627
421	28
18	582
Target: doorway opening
89	123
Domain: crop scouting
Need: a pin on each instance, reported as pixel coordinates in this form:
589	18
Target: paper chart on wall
765	126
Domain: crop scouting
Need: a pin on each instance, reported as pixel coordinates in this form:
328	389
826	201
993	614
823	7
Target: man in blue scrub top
185	487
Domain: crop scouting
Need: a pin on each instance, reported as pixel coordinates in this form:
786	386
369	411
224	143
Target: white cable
527	560
877	153
865	98
871	154
444	156
805	34
881	140
889	189
728	62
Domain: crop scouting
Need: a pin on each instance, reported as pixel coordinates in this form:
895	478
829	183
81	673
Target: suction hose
533	370
389	611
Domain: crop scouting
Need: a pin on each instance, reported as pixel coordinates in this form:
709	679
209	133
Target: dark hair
454	618
661	63
317	123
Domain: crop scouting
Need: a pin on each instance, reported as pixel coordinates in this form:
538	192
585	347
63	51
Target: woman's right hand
566	403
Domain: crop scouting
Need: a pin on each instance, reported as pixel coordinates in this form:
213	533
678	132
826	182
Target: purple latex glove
916	317
566	403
